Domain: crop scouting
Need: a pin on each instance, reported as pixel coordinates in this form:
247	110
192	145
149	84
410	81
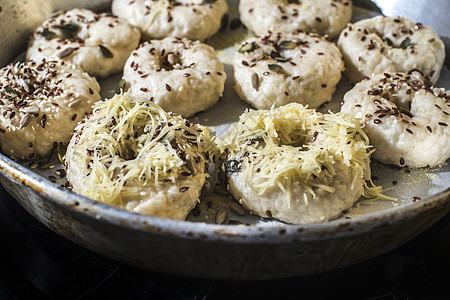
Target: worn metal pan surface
260	249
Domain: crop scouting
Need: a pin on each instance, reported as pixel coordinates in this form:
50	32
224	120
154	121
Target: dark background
36	263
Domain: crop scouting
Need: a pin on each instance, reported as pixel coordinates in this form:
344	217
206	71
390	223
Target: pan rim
270	233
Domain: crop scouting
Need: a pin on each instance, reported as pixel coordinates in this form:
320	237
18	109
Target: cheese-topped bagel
295	164
132	154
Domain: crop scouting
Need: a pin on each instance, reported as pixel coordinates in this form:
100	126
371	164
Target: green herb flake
248	47
287	44
62	152
405	44
70	27
232	166
48	34
275	67
121	85
9	90
105	51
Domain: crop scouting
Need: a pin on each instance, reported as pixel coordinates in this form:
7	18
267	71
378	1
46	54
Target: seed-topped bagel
383	44
180	75
405	118
319	16
157	19
40	104
98	43
277	68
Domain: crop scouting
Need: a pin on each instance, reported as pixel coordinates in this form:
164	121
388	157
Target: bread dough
405	118
180	75
383	44
98	43
295	164
41	102
157	19
319	16
276	69
131	154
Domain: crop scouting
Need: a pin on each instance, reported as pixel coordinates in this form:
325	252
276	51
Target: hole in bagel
171	61
394	41
294	2
295	138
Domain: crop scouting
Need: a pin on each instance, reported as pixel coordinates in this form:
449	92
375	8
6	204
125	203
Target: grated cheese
292	143
128	143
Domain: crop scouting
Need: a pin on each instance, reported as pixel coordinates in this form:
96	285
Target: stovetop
39	264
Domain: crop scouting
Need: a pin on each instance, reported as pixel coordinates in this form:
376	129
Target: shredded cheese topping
295	144
129	143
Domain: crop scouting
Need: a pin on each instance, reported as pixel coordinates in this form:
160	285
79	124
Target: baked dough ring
131	154
98	43
295	164
318	16
157	19
277	69
180	75
40	105
382	44
405	118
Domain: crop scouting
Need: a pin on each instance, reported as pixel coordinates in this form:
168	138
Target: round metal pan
263	249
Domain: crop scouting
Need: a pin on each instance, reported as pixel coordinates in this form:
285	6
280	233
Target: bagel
98	43
295	164
325	17
131	154
157	19
180	75
383	44
40	104
277	68
405	118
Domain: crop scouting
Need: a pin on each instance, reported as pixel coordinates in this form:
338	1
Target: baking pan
243	247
